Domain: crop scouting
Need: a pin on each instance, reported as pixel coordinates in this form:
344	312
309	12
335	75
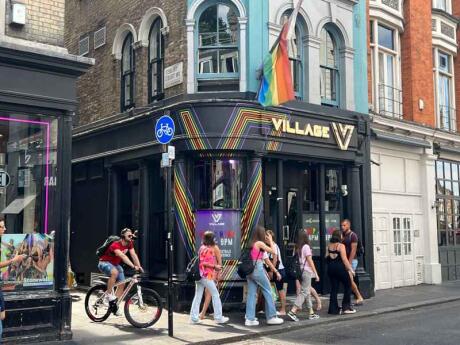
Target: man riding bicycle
109	263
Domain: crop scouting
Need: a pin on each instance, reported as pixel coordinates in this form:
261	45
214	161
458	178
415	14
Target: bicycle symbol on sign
165	130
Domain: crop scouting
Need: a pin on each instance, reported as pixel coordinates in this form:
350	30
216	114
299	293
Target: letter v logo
343	134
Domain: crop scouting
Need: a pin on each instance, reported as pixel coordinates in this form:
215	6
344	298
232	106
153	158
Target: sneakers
349	311
195	322
275	321
250	323
118	313
293	316
223	319
313	316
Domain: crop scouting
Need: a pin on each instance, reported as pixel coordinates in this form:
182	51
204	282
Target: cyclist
109	263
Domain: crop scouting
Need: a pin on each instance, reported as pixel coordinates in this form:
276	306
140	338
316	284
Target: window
99	37
218	53
28	170
83	46
218	184
444	92
448	203
442	5
156	61
387	95
402	237
329	69
127	73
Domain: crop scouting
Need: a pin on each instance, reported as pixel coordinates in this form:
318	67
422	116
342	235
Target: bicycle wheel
143	314
96	307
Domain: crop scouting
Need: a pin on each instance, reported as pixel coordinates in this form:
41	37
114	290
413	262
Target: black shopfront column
280	203
112	203
144	225
180	259
356	209
63	224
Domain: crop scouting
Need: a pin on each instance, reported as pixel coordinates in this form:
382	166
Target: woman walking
217	277
338	270
308	273
259	278
208	268
277	261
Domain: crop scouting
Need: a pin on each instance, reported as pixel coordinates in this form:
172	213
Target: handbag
293	269
192	272
245	264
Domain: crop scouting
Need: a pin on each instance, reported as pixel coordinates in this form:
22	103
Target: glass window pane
442	240
447	171
454	172
386	37
228	60
207	27
227	24
455	189
439	169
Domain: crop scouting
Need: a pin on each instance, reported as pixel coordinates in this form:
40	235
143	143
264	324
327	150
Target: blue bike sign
164	129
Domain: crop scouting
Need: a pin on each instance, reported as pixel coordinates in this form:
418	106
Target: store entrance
312	199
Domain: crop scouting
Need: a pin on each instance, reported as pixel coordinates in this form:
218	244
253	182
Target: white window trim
448	6
191	26
375	49
437	73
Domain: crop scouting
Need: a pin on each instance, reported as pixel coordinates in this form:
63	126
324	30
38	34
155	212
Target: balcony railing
447	120
390	101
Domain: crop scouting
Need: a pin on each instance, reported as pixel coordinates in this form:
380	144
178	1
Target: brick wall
417	62
44	22
456	12
99	89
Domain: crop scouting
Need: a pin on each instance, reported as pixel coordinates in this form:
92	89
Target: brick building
37	105
415	146
199	61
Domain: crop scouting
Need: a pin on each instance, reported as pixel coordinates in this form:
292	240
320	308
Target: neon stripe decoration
183	203
242	121
192	128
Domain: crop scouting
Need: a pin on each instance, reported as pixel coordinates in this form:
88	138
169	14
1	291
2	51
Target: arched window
329	69
156	61
127	73
218	51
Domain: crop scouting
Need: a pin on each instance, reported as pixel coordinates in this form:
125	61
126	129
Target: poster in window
311	225
225	224
36	271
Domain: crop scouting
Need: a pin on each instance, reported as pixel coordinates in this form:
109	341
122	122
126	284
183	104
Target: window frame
447	5
129	73
336	69
216	76
449	74
158	61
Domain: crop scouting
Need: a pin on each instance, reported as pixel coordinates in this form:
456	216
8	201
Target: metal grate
99	37
390	101
83	46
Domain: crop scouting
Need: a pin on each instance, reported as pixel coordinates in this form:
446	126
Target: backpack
245	264
103	248
293	269
192	272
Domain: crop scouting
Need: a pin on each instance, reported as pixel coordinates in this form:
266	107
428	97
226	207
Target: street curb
308	323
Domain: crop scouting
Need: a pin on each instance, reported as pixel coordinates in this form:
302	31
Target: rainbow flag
276	86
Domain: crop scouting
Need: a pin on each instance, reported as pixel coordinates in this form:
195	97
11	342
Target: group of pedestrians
268	267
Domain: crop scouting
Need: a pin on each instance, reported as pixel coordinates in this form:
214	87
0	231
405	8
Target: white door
393	251
382	252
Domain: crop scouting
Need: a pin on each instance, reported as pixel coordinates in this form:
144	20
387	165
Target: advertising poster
311	225
226	227
36	271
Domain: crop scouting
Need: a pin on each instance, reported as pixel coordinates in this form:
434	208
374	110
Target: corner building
303	165
413	63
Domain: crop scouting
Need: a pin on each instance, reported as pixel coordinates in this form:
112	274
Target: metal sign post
164	132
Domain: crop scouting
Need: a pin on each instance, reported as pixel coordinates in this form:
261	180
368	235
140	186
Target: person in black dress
338	268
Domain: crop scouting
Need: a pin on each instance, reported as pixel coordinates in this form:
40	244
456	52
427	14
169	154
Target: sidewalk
116	330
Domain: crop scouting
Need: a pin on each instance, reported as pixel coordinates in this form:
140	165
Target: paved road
435	325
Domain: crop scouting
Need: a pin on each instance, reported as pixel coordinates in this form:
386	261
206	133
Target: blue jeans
106	268
259	278
210	285
354	264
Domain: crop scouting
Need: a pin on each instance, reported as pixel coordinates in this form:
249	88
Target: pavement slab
116	330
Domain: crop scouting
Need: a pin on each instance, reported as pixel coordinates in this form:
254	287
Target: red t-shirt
109	254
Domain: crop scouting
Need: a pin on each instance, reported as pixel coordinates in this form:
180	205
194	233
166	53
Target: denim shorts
354	264
106	268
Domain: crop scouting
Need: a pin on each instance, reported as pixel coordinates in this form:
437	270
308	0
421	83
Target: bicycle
141	302
164	129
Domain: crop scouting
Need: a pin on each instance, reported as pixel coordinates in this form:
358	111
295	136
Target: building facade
303	165
37	105
412	92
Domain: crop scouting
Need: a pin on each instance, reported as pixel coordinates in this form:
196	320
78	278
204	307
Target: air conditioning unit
18	14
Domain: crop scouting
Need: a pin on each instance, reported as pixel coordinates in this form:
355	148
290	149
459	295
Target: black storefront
237	165
37	103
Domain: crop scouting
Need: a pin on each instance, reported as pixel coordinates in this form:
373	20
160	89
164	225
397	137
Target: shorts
279	283
354	264
106	268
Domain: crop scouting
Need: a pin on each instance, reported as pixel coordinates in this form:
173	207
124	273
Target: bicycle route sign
164	129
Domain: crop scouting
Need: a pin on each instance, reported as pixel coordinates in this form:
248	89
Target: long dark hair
209	239
336	237
302	239
258	235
